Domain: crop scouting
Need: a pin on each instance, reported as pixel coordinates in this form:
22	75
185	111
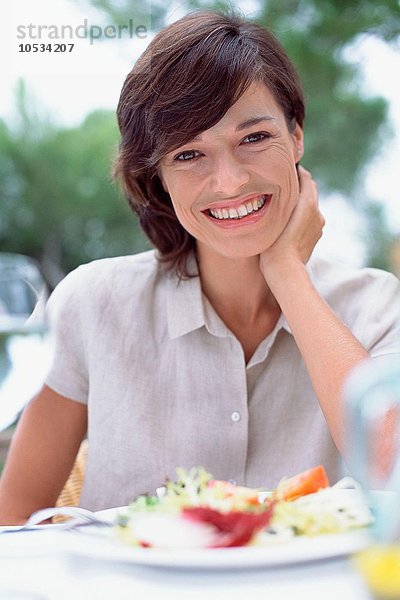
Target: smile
240	212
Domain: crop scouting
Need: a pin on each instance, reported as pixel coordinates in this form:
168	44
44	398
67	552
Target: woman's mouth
242	211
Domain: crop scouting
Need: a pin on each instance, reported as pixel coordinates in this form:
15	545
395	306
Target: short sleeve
367	300
68	374
383	318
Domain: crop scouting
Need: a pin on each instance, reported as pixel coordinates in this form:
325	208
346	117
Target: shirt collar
185	311
283	324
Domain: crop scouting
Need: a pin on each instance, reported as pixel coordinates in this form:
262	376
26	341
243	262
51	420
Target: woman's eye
255	137
186	155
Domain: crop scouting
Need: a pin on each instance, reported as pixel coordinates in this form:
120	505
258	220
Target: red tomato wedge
233	528
304	483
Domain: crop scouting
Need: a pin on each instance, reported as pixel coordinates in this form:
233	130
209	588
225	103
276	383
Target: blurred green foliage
379	239
58	203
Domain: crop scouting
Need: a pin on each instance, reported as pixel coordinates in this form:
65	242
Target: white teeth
241	211
233	214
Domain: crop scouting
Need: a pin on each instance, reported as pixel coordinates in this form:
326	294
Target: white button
235	416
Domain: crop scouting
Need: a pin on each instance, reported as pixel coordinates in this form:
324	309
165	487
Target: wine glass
25	348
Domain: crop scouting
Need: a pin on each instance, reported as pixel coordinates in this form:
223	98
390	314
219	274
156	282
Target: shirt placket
235	399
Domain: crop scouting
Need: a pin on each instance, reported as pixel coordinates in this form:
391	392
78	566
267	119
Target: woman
229	346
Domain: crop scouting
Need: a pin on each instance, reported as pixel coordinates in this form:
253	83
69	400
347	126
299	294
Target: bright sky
66	86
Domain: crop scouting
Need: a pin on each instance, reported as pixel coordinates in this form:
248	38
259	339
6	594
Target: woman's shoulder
332	277
353	291
96	280
142	263
105	270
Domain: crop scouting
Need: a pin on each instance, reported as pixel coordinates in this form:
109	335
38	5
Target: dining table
54	563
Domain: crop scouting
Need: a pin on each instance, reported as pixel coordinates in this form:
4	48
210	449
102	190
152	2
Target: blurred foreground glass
25	349
372	401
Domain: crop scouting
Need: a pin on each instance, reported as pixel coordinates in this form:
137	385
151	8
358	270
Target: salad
196	511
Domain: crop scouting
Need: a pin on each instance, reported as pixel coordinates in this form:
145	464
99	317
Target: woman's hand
301	233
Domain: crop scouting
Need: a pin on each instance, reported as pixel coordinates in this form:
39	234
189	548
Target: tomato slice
304	483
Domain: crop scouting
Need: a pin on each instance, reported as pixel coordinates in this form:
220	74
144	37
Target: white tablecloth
49	566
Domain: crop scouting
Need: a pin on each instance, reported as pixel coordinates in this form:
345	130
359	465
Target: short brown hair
191	73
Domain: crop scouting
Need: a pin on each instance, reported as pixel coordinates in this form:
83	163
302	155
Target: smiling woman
195	86
228	345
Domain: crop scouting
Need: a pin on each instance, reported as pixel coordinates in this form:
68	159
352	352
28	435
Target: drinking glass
372	403
25	348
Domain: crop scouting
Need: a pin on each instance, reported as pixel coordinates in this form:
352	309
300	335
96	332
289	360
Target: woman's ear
298	141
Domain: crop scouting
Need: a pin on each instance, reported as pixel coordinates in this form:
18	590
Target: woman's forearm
41	456
329	349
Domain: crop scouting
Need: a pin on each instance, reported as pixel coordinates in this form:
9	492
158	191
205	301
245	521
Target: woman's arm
41	455
329	349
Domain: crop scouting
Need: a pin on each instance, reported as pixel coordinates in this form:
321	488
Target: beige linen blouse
166	382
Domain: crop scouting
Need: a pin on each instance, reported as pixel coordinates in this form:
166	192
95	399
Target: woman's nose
228	176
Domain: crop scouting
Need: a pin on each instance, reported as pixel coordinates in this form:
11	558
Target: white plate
298	550
102	544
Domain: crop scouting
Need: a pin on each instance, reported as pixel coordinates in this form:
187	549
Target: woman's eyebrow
253	121
244	125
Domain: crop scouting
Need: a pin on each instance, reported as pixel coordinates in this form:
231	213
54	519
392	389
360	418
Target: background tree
59	204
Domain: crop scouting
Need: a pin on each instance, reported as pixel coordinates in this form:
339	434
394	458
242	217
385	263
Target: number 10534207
45	47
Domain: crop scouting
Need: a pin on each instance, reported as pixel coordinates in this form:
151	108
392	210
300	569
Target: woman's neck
236	288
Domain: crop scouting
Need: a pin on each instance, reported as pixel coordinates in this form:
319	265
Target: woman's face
235	186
